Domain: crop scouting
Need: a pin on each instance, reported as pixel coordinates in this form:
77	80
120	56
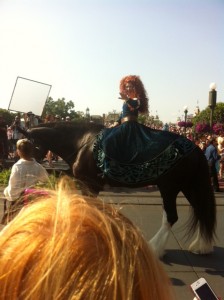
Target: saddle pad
130	159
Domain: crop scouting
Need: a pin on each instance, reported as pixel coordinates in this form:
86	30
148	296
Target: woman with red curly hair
127	142
135	99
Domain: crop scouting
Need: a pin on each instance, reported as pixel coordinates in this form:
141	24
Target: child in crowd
25	173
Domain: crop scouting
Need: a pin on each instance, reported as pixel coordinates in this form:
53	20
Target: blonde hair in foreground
71	247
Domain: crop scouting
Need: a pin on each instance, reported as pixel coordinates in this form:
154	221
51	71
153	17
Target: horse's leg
198	190
200	244
159	241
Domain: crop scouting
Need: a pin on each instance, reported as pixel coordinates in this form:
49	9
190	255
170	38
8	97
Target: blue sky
83	48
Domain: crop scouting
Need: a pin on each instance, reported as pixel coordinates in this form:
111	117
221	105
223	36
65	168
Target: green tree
142	119
204	115
7	116
60	107
150	120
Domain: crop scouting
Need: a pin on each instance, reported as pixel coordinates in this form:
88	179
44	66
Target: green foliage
219	113
204	115
61	108
142	119
51	184
151	120
7	116
4	177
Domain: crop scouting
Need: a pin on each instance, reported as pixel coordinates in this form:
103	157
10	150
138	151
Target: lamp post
185	119
114	112
212	102
87	113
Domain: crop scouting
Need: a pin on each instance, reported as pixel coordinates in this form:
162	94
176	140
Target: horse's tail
204	205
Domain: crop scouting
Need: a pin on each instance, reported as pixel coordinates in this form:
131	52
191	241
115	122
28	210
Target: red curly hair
140	91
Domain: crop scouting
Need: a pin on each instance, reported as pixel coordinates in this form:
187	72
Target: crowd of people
213	147
9	133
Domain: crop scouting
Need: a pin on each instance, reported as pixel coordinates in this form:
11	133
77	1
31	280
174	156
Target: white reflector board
29	95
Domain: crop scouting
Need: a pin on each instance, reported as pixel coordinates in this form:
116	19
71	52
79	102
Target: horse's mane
78	125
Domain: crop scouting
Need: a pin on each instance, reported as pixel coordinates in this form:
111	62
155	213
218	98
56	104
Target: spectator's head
17	119
24	148
57	118
70	247
220	140
211	140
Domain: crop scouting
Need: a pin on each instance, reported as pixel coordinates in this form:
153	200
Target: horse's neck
69	151
68	154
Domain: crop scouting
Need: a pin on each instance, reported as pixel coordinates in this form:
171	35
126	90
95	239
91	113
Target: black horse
75	143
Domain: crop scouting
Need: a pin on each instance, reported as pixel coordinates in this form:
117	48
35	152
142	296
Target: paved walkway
143	207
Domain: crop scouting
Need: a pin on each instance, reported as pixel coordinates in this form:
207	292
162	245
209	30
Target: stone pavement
143	207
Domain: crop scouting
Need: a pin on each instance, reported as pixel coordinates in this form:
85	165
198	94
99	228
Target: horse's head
40	150
64	140
40	147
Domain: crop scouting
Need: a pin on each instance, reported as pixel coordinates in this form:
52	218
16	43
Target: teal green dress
133	153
